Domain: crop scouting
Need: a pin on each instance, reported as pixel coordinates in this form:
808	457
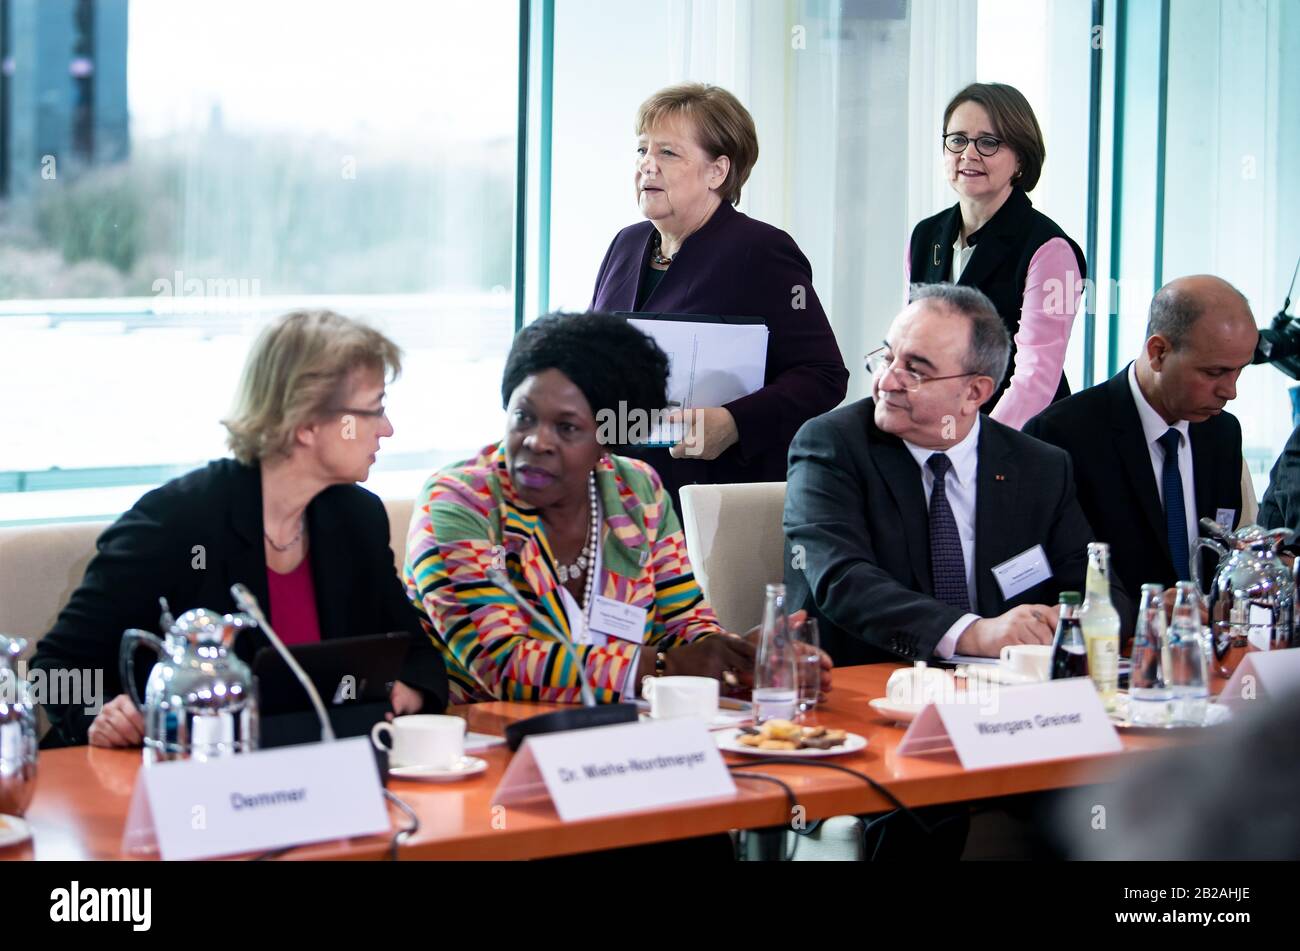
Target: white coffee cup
423	739
1031	660
916	685
673	697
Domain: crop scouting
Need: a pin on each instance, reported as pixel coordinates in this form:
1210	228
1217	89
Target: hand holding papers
712	361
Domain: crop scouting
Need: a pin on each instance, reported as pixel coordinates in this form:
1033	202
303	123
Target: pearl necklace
586	557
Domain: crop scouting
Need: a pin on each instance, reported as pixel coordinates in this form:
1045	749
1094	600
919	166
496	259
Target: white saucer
899	712
998	675
721	720
468	766
853	743
13	830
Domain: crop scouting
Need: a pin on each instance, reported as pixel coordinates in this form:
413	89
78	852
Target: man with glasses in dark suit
918	528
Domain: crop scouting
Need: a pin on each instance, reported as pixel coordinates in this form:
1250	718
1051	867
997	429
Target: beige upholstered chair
737	546
40	567
735	542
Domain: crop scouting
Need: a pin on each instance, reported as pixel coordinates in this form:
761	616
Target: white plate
727	742
468	766
721	720
13	830
898	712
1216	714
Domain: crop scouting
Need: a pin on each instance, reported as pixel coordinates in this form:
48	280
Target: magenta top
293	604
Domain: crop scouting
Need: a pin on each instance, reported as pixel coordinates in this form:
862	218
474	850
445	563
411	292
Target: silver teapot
1251	600
17	733
199	702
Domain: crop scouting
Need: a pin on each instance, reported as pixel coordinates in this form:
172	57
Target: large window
1205	177
174	175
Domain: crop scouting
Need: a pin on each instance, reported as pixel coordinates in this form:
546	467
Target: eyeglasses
365	413
879	361
985	145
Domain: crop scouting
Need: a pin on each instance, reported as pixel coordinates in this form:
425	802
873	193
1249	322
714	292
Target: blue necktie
1175	509
946	561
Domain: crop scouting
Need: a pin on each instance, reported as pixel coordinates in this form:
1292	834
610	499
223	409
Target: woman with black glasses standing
994	240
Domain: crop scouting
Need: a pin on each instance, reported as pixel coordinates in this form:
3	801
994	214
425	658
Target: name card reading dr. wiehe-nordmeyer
1022	724
610	769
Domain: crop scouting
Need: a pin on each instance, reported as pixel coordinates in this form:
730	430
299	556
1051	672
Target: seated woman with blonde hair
284	517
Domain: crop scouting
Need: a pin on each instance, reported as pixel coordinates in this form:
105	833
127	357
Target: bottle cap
1071	597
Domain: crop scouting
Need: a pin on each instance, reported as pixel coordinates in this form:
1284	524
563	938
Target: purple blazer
736	266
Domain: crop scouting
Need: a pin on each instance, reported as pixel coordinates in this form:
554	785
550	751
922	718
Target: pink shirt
293	604
1051	299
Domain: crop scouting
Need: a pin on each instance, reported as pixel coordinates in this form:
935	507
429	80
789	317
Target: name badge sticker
616	619
1226	518
1019	574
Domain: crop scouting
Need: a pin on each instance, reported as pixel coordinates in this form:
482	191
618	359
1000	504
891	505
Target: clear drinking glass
808	663
1184	665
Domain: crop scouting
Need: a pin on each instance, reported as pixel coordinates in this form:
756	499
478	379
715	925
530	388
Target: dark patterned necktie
946	561
1171	478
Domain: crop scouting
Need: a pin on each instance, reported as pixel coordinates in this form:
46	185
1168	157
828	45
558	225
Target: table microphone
248	604
589	714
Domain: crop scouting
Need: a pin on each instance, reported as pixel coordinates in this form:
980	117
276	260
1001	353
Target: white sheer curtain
942	43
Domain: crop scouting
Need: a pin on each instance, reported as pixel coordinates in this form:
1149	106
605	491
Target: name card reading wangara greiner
1019	724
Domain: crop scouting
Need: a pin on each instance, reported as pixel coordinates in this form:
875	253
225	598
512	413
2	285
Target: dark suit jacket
736	266
858	541
150	552
1280	507
1003	249
1101	430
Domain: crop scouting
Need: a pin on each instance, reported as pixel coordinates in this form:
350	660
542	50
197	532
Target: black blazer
736	266
998	266
858	541
190	540
1280	507
1101	430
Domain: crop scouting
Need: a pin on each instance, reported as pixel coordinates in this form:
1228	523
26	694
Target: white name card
1023	724
258	801
611	769
1260	675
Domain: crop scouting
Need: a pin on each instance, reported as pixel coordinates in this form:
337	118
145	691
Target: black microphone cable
898	804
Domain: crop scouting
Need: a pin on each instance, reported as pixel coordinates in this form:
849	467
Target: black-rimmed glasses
985	145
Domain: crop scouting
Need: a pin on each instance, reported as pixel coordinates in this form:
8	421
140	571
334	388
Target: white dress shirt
1153	427
960	485
961	255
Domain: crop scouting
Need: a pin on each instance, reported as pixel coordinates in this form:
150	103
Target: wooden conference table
82	793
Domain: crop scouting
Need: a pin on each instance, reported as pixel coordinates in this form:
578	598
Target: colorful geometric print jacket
468	519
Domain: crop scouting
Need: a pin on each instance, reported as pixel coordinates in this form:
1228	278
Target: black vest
1003	250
